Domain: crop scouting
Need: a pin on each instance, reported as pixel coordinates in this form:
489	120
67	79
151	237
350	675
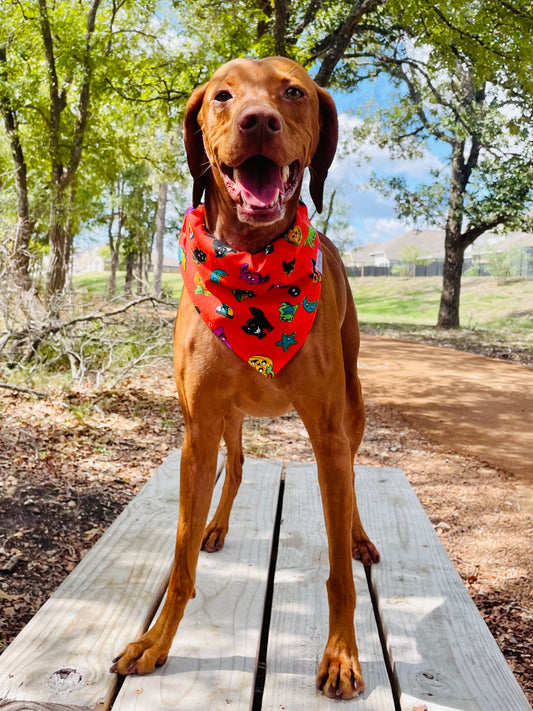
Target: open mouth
260	187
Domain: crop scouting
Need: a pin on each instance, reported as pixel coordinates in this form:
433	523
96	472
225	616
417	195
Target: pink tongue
258	181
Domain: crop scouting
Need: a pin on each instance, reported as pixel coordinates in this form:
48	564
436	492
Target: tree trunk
325	227
280	27
453	242
130	262
112	283
63	172
20	261
60	237
160	239
140	273
56	274
114	246
451	283
112	286
59	244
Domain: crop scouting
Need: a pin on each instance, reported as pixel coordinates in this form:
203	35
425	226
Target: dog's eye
294	92
223	96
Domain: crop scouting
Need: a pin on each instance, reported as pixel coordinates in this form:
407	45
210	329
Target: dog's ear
194	144
327	145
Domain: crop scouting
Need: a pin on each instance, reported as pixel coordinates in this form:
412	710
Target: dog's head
250	132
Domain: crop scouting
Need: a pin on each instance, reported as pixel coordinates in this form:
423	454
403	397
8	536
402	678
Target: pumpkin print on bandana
261	305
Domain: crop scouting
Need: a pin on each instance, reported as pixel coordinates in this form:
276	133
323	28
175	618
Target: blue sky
372	215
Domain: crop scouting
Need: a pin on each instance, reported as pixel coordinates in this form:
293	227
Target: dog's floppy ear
194	144
327	145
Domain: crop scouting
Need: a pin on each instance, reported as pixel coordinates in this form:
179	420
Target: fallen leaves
64	479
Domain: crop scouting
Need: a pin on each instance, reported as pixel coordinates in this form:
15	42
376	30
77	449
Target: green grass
396	300
485	303
96	284
491	313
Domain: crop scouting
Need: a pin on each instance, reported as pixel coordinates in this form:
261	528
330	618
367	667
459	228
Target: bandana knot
261	305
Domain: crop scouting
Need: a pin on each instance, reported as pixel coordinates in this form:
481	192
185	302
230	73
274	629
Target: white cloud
376	229
382	229
357	165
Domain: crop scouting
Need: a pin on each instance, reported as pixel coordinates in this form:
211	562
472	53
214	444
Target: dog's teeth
285	172
235	175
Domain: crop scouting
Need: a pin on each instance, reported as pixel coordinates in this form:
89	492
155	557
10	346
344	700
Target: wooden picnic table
423	645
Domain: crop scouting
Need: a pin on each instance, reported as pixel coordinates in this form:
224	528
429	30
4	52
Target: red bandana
262	306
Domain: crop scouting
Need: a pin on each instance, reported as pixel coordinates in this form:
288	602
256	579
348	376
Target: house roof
430	244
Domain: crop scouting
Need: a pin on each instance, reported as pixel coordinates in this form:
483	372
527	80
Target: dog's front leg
197	479
339	673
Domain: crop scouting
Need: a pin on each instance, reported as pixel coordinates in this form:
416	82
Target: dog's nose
259	121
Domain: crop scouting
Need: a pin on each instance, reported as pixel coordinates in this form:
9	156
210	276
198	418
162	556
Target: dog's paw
214	537
339	674
140	657
365	551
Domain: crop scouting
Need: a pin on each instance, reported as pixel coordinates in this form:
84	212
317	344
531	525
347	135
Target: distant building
376	258
90	260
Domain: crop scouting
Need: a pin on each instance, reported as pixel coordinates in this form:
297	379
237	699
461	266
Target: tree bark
160	239
59	244
60	240
280	27
140	286
130	262
114	246
329	212
451	283
453	242
20	261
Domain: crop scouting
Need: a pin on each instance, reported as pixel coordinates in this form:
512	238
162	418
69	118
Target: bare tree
160	237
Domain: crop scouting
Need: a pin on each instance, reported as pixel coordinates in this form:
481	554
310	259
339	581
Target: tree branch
35	333
53	87
471	235
342	37
309	16
280	26
19	389
170	96
398	70
461	32
97	315
12	131
83	102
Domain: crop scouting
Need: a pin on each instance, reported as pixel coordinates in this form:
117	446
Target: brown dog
269	114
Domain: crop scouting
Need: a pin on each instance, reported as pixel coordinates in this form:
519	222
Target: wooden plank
63	655
299	625
443	655
212	660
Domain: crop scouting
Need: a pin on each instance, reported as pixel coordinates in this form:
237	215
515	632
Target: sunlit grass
502	309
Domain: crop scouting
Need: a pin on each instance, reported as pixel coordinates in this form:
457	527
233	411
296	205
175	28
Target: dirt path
469	403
